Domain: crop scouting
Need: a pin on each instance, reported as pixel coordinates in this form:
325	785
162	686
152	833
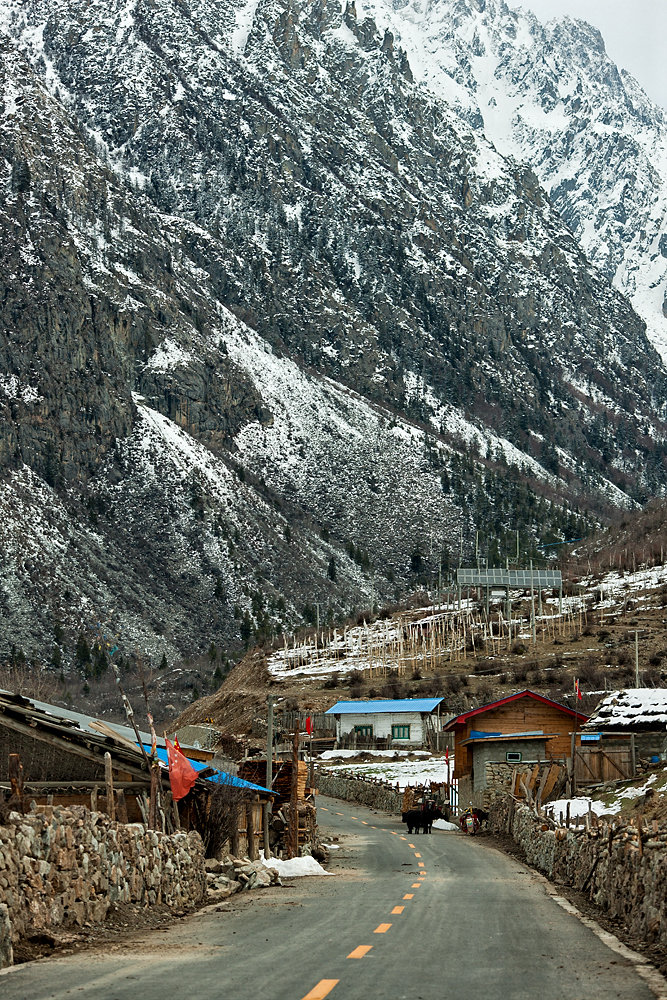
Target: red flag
309	726
446	755
177	745
578	689
182	774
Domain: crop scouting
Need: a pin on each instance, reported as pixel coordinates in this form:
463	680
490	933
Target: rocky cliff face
550	96
277	327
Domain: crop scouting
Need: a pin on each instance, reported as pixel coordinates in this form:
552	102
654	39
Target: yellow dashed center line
398	909
364	822
373	828
323	988
420	864
339	814
415	885
359	952
324	809
417	854
404	838
412	846
409	895
380	929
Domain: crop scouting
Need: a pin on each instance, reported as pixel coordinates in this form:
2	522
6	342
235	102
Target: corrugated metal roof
385	706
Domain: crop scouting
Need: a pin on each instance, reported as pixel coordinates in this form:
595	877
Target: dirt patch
124	921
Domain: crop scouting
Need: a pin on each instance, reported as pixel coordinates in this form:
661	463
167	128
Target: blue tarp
375	707
219	777
479	734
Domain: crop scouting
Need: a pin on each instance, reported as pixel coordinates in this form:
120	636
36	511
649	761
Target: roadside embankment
374	794
622	866
66	869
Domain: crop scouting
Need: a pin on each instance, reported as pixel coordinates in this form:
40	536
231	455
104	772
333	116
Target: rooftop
385	706
631	708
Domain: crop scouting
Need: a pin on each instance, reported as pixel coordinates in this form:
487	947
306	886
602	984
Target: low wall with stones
68	868
366	793
623	869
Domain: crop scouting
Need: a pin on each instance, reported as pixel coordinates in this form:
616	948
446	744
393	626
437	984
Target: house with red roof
521	730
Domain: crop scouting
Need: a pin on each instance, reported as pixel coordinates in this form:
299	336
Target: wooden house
627	728
492	740
58	757
404	722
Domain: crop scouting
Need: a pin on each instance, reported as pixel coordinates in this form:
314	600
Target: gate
594	767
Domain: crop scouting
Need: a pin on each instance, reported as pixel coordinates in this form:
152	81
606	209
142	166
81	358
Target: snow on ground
442	824
580	805
295	867
403	773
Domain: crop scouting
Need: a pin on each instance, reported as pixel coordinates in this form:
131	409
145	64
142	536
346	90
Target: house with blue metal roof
402	722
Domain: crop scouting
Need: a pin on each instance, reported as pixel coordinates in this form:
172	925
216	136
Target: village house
404	722
495	741
54	756
627	728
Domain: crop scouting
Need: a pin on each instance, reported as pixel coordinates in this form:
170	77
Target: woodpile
254	770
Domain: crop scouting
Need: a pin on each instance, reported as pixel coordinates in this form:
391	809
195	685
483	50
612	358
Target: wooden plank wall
523	715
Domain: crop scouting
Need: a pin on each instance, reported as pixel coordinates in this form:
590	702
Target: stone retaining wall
68	868
366	793
624	878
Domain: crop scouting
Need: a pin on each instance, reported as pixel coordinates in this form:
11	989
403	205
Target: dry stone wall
67	868
366	793
623	869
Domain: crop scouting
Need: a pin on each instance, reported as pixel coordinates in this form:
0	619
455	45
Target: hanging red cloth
309	726
182	774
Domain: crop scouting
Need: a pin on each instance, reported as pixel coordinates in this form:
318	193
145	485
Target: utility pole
636	658
317	613
532	605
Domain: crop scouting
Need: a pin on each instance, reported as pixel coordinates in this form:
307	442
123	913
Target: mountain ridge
318	330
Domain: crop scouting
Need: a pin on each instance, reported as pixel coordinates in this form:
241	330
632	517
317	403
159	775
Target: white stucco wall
382	723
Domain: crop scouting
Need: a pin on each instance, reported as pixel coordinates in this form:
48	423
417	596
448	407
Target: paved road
405	918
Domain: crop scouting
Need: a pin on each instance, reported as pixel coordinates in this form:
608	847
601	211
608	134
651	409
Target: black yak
422	819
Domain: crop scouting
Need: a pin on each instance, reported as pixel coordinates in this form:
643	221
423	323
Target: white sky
634	32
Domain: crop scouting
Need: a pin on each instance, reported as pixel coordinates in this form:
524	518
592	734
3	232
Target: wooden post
154	802
573	747
250	831
293	839
16	781
93	799
633	758
122	806
108	779
269	774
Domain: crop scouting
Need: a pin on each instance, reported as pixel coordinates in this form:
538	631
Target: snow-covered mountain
550	96
278	326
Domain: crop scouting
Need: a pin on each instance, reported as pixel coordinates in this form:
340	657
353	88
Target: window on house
513	756
400	732
363	730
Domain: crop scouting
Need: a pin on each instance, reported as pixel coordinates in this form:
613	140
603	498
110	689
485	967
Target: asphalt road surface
404	918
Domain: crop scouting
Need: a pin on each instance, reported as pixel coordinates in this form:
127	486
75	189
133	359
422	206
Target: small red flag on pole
578	689
182	774
309	726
